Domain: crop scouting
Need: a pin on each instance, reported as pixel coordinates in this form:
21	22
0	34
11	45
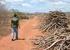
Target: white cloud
2	2
66	1
33	1
18	2
59	2
37	1
54	0
49	1
42	0
26	5
13	0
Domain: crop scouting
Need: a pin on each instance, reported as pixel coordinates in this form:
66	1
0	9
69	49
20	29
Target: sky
37	5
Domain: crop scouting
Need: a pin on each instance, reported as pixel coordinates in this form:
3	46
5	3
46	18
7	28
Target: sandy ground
27	31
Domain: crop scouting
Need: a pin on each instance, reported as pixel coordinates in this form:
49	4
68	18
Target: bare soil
27	31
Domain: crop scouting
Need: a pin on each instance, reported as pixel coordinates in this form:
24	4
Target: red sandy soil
27	31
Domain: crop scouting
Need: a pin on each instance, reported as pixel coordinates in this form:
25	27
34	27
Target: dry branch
59	32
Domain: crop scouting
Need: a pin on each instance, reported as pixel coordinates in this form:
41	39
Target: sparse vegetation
4	20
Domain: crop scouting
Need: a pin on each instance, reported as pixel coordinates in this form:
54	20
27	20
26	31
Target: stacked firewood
58	36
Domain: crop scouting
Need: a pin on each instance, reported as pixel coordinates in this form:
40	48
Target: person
15	25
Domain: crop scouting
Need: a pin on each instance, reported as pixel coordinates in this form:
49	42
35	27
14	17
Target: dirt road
26	31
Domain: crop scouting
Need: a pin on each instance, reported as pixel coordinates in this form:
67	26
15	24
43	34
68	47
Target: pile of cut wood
58	36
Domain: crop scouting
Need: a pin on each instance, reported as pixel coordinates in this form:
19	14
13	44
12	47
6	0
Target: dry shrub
4	20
